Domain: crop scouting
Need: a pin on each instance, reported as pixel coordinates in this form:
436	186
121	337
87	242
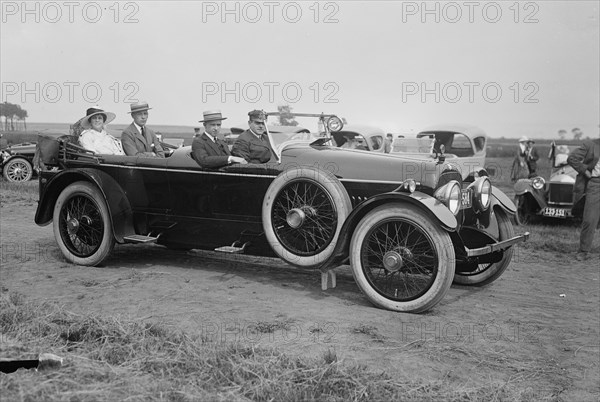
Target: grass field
116	358
111	358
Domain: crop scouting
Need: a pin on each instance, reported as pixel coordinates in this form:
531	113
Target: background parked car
553	198
17	162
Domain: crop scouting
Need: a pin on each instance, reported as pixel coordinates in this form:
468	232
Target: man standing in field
139	140
586	161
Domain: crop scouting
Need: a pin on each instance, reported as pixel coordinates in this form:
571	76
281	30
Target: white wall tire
82	224
401	260
17	170
303	212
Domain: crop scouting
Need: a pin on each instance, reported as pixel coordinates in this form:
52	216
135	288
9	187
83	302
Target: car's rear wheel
303	212
487	273
401	260
18	170
82	224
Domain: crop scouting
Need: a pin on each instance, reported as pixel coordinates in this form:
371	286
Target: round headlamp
334	124
482	189
449	195
538	183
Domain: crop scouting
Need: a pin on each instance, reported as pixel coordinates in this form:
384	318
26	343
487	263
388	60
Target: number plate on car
466	198
555	212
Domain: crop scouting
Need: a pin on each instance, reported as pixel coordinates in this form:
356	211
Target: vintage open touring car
553	198
406	226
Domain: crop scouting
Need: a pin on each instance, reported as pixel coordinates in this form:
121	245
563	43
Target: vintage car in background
536	197
17	162
407	227
463	146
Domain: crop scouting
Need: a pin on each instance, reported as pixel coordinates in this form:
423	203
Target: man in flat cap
208	149
137	139
253	144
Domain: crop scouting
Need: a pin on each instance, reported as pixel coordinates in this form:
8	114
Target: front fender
501	199
430	206
118	205
523	187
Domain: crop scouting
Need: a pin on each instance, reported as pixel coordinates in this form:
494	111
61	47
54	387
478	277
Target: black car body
406	226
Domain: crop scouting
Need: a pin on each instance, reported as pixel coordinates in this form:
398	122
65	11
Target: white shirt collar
138	127
210	137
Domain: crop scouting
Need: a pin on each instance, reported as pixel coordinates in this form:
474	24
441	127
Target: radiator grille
561	193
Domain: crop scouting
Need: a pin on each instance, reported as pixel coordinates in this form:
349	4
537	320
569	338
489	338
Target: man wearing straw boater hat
208	149
137	139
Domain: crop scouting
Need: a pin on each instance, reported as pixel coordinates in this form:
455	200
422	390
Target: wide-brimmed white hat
526	139
93	111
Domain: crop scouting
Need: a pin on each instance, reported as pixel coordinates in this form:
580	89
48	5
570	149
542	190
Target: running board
140	239
236	248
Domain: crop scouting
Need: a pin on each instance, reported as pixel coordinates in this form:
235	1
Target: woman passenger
94	137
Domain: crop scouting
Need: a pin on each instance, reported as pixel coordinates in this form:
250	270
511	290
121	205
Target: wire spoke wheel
303	212
82	224
401	259
18	170
304	218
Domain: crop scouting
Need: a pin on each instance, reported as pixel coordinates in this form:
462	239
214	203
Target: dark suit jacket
581	159
134	143
210	154
251	148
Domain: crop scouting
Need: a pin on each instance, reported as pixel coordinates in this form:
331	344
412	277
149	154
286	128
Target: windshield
422	145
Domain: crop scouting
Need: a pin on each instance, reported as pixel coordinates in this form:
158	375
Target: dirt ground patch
536	329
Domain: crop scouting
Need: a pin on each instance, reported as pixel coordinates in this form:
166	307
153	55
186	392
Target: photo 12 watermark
251	12
469	332
22	252
69	91
470	92
453	12
54	12
270	92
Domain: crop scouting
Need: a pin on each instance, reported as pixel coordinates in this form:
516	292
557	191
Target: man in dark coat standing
137	139
208	149
253	144
586	161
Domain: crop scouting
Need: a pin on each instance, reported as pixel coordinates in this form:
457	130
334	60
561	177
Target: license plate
555	212
466	198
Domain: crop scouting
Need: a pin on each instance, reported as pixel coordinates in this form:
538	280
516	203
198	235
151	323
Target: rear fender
430	206
118	205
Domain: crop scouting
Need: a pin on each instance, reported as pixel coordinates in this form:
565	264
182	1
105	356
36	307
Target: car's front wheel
523	214
303	212
401	260
18	170
82	224
489	272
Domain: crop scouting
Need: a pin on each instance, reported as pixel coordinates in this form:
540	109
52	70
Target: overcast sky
527	68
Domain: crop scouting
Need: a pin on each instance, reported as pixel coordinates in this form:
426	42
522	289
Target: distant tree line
577	134
12	114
